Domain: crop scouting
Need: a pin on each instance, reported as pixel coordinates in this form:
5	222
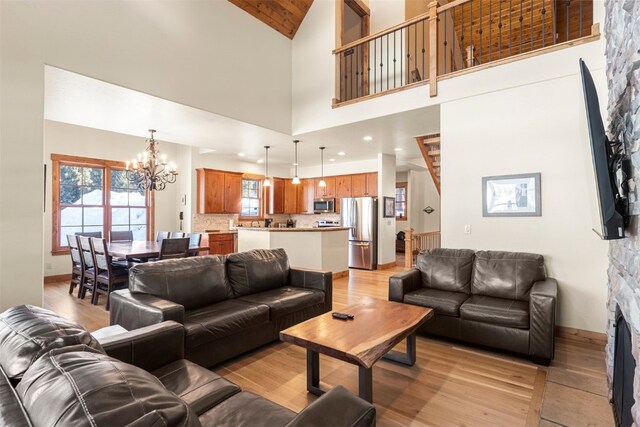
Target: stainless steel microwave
324	205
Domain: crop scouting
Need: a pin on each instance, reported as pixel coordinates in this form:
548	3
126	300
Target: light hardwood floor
451	384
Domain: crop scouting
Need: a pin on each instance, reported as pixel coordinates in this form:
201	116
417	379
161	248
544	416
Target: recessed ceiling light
397	149
332	160
368	138
260	161
241	154
341	153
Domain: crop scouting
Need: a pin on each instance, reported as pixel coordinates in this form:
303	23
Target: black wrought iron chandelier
150	170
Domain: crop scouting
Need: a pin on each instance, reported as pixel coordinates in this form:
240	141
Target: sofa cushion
201	388
222	319
508	275
11	410
28	332
191	282
497	311
247	409
257	270
442	302
286	300
76	386
446	269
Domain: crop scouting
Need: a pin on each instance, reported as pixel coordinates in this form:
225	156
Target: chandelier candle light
150	171
322	183
295	179
266	182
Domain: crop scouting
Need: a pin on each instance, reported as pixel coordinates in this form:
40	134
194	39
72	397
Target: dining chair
121	236
161	235
90	234
194	241
108	276
88	274
174	248
177	234
77	270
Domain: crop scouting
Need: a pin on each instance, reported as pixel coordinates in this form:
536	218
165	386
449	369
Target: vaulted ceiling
284	16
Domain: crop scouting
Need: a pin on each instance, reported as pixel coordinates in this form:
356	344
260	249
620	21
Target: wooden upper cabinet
343	186
274	196
326	192
291	197
210	191
364	185
232	192
306	194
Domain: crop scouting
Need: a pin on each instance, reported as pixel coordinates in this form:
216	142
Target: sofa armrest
148	348
336	408
542	323
401	283
314	279
134	310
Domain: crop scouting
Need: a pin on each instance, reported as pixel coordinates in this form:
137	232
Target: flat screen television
611	166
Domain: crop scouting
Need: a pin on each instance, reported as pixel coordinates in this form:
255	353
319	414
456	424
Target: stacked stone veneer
622	33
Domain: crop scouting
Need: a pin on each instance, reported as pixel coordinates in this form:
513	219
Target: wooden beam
433	51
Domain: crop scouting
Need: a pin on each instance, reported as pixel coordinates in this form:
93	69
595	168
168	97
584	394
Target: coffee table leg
313	373
407	358
365	383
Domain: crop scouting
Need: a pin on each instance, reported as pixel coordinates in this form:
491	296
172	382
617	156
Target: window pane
137	197
120	216
120	228
67	230
70	175
92	196
70	217
245	203
254	203
92	229
139	232
93	216
118	179
70	195
92	177
119	197
138	215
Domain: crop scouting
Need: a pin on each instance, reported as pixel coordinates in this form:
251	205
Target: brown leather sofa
227	304
54	373
496	299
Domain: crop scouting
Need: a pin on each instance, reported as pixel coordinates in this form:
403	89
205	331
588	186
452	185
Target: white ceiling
83	101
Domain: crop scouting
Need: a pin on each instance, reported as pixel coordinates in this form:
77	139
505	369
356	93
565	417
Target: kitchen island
314	248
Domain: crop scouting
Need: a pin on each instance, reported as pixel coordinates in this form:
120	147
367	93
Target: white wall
61	138
330	168
209	55
539	127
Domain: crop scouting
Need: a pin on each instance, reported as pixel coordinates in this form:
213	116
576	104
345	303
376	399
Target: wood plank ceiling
284	16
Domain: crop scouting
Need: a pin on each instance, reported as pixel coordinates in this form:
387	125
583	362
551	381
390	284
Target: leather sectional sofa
227	304
54	373
497	299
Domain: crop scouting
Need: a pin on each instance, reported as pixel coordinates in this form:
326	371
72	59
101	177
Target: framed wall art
511	195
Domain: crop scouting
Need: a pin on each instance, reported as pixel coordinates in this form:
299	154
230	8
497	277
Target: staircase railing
417	242
455	37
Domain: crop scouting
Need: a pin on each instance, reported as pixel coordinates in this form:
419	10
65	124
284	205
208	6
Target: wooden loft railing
458	37
414	243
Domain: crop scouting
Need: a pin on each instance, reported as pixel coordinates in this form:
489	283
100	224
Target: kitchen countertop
217	232
307	229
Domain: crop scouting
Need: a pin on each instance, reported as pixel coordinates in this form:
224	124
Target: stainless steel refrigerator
360	214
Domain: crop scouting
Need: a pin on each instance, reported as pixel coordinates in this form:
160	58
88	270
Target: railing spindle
500	29
445	54
531	24
471	31
415	47
394	59
580	19
375	66
480	31
544	12
462	31
510	26
454	39
521	25
424	72
567	4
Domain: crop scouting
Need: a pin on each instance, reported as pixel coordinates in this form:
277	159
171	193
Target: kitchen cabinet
343	186
364	185
327	192
291	197
274	196
218	191
307	193
221	244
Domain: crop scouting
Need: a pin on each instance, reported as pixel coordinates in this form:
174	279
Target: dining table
143	249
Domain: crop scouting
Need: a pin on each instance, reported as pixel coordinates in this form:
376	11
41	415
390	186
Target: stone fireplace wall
622	33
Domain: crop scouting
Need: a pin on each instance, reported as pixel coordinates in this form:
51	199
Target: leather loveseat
54	373
227	304
497	299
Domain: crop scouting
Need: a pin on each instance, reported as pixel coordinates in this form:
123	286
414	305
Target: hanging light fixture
266	182
322	183
150	171
295	179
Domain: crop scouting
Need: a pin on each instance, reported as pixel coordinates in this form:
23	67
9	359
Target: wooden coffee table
377	327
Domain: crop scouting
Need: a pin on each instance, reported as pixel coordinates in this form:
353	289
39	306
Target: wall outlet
47	266
467	229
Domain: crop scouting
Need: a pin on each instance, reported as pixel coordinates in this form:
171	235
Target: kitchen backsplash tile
202	222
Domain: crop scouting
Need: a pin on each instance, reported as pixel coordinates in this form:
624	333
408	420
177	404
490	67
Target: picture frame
511	195
389	207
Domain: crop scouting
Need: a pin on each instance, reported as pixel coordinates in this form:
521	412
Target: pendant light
266	182
322	183
295	179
